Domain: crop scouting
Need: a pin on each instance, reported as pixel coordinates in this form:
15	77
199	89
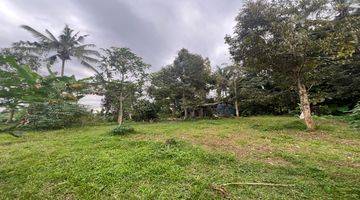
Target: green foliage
23	85
290	40
22	56
339	86
122	130
122	77
54	116
17	84
145	110
225	110
183	84
355	116
47	96
3	117
163	90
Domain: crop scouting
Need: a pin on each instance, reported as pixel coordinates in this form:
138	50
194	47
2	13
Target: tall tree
235	75
183	86
164	89
227	79
289	39
221	77
194	74
124	74
68	44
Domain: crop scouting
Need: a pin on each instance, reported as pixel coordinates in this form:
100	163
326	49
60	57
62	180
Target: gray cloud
154	29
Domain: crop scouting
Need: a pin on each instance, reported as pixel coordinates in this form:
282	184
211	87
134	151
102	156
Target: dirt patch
213	142
348	163
349	142
230	145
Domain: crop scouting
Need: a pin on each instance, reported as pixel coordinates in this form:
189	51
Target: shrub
172	142
3	117
145	111
54	116
122	130
355	116
225	110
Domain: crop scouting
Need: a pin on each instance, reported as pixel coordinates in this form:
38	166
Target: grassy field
185	160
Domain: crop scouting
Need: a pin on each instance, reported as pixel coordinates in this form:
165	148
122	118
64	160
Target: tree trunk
62	67
184	106
131	112
193	113
305	106
11	116
173	110
120	115
236	100
201	112
237	108
185	113
183	94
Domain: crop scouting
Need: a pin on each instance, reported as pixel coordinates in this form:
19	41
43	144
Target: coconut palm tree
222	77
65	46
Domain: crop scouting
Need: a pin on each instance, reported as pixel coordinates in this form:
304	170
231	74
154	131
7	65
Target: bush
3	117
145	111
54	116
225	110
122	130
355	116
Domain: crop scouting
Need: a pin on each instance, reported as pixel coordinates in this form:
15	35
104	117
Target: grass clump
122	130
355	116
171	142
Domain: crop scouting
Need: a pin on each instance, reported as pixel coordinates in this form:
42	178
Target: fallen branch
221	189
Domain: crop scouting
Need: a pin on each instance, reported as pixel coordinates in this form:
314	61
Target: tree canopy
290	39
67	45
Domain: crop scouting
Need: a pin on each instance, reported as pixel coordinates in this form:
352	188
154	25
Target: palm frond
67	30
51	35
88	59
36	33
73	39
90	52
52	59
86	45
89	66
28	48
82	38
80	51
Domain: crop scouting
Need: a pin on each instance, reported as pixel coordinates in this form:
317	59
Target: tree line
288	56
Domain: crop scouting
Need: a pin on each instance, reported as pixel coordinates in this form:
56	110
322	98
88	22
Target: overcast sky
153	29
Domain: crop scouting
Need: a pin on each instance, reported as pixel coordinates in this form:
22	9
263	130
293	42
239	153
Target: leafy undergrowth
183	160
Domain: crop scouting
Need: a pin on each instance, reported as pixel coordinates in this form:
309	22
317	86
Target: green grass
89	163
